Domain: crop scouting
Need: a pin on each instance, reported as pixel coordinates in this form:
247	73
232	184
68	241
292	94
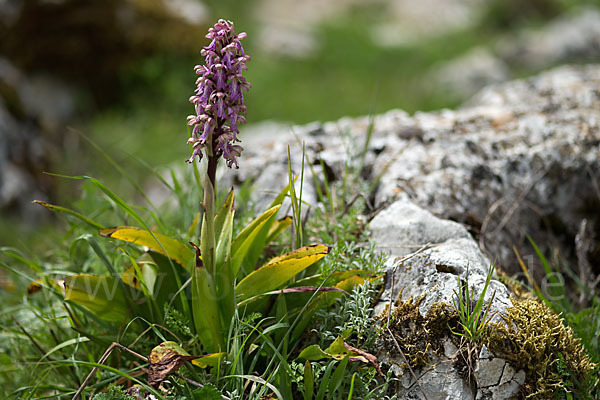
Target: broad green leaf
324	383
337	350
225	231
281	196
209	360
269	231
332	278
279	270
102	295
160	243
350	283
205	308
224	211
245	239
166	285
208	241
225	293
313	353
223	274
277	227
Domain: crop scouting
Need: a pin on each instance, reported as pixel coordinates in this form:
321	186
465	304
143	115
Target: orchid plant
216	280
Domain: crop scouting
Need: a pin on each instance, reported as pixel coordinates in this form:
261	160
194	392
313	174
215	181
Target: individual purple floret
219	99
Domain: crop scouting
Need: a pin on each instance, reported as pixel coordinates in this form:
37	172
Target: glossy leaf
245	239
102	295
160	243
279	270
225	210
209	360
205	308
145	274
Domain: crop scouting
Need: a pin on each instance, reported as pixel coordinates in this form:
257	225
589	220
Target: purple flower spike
218	98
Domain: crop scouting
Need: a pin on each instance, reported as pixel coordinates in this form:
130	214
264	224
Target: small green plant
472	320
114	393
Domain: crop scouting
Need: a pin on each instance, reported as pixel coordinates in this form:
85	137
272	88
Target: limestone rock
431	275
467	74
520	158
571	37
496	379
402	228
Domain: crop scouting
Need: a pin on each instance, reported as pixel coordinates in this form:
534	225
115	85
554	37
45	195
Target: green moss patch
534	338
419	337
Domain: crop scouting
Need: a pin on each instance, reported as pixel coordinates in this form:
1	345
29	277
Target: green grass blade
73	213
338	376
309	383
324	384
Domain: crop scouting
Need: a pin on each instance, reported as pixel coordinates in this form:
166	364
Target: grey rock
496	379
434	271
432	274
467	74
439	382
519	158
402	228
571	37
515	158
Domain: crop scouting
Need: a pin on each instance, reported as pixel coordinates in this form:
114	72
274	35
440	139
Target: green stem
207	237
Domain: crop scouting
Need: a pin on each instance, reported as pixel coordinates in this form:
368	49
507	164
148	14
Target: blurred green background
127	70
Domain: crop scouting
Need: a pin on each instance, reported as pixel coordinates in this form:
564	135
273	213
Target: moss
418	336
534	338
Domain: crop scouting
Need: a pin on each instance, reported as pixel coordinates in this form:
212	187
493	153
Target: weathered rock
431	276
432	272
521	158
496	379
402	228
568	38
465	75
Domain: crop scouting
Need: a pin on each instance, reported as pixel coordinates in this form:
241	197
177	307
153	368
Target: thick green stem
207	237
